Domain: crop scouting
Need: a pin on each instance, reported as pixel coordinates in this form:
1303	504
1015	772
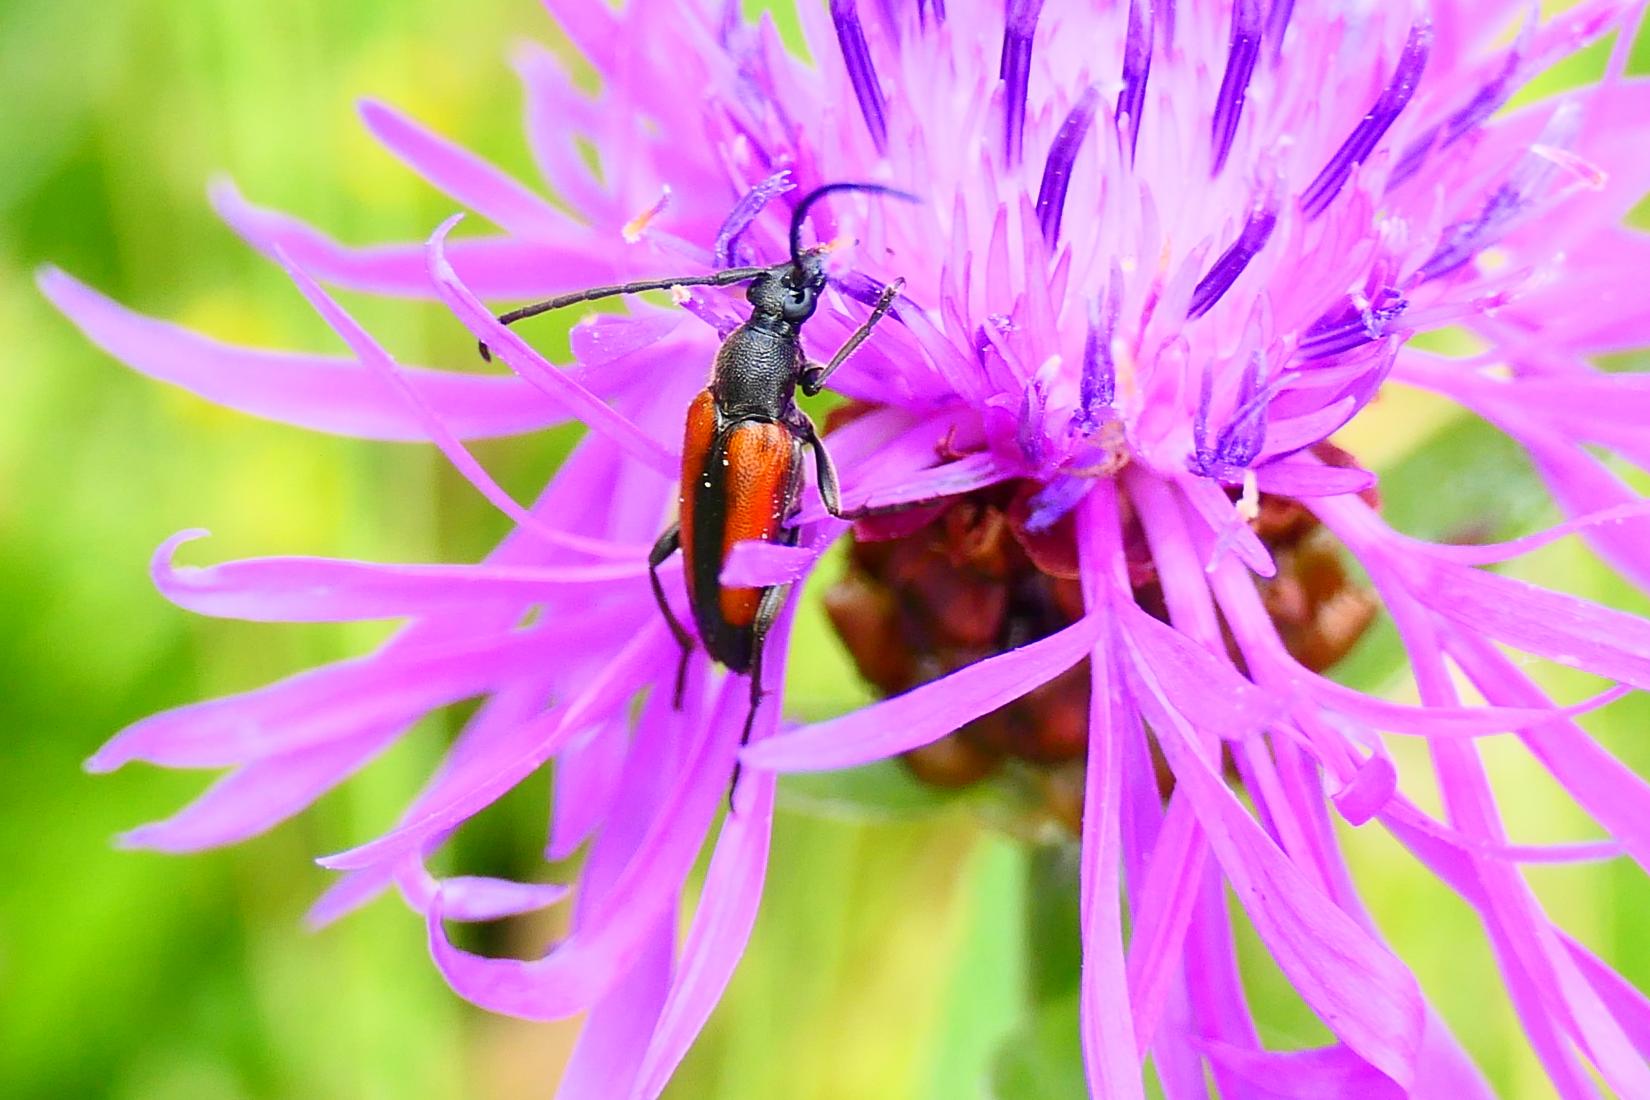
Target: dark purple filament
1051	195
1464	240
730	238
856	54
1137	68
1374	125
1484	103
1234	86
1277	25
1033	407
1055	499
1257	230
1353	326
1241	440
1019	26
1528	179
1098	386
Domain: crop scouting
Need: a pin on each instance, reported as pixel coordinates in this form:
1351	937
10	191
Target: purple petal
1371	789
504	267
333	702
371	354
929	712
582	968
1561	628
463	792
1625	1002
1207	692
755	564
607	1061
463	176
900	487
1356	986
304	589
560	116
1217	511
588	775
731	894
745	212
475	898
558	385
1304	1074
1162	908
1606	788
1109	1049
256	797
1311	479
721	928
324	393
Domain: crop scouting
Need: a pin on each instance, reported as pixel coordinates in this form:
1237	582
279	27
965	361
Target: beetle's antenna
801	211
720	278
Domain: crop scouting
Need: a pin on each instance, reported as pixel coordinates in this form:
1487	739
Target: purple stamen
1243	438
1464	240
1033	408
1413	156
1234	86
1098	386
856	54
1483	104
1054	500
1353	326
730	238
1373	125
1257	230
1203	455
1020	24
1486	102
1051	196
1277	25
1137	67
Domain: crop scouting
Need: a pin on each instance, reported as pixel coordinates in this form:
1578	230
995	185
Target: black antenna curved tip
801	212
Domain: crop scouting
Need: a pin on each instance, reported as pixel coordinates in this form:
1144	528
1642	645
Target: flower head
1163	253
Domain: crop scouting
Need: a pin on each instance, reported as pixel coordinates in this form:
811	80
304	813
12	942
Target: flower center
932	590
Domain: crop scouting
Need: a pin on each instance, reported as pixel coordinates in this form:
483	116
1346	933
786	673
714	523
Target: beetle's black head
790	292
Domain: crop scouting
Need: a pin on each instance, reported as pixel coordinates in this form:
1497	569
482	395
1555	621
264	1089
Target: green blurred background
891	959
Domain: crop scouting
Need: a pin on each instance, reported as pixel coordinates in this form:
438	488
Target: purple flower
1164	252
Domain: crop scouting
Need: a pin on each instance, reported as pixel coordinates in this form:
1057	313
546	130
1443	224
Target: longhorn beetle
742	448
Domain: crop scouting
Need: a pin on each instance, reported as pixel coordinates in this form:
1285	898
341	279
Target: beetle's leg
668	544
814	375
825	470
831	492
773	601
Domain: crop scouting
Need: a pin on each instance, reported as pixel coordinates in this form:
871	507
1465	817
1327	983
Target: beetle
742	449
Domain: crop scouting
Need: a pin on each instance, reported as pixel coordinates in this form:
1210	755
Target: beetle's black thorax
757	367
